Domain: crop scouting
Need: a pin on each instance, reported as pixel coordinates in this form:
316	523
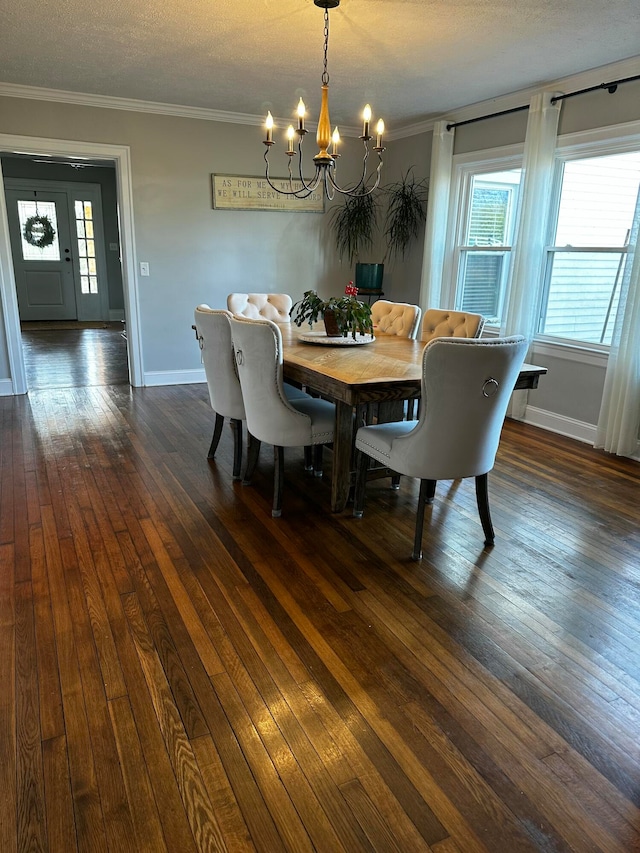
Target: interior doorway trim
120	154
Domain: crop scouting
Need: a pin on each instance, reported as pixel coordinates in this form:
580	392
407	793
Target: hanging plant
38	231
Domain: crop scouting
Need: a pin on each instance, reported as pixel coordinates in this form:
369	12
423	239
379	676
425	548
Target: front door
42	255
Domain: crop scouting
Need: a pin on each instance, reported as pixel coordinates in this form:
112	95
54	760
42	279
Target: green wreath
38	231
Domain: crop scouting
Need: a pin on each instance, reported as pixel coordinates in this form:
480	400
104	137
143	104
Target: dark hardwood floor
182	672
74	357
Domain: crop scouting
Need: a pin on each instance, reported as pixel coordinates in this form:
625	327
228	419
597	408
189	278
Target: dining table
386	371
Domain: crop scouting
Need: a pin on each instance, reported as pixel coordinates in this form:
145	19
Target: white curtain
437	214
619	420
528	254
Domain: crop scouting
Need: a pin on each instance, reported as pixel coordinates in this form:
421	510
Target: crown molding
583	80
84	99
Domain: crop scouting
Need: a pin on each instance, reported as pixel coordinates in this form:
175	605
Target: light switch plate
144	268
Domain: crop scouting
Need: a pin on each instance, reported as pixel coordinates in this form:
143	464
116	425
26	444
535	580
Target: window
597	201
485	233
27	209
86	246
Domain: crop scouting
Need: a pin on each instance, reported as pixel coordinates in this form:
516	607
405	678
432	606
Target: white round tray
330	341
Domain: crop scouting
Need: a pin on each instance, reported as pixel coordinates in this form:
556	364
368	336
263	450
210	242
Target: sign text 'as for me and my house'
246	192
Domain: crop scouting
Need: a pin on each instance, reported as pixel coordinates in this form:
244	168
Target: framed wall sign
249	192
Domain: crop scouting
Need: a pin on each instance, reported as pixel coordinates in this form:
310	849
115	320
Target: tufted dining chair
395	318
213	333
438	323
214	337
261	306
271	417
466	384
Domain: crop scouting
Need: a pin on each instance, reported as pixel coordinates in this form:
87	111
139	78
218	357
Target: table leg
342	448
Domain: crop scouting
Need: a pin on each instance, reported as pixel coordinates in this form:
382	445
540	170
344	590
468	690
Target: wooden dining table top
388	368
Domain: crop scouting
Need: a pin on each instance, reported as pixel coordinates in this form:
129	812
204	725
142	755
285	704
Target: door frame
71	189
121	155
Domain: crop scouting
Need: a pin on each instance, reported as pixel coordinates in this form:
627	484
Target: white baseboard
116	314
553	422
174	377
6	388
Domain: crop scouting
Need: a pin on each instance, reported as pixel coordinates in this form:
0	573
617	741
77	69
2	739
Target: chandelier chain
325	73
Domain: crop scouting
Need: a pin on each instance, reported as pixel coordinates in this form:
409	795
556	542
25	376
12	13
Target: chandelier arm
305	190
357	189
328	186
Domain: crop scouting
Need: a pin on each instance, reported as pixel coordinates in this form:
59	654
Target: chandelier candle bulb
336	140
366	115
379	132
301	112
269	125
290	134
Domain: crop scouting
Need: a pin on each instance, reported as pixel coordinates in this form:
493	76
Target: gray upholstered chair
261	306
271	417
214	337
395	318
466	385
439	323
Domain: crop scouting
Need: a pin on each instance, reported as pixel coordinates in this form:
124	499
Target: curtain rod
610	87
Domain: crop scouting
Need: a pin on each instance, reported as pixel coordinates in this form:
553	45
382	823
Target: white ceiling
411	59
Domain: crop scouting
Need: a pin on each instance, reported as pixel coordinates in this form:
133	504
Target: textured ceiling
411	59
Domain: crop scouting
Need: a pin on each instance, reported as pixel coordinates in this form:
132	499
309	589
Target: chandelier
325	161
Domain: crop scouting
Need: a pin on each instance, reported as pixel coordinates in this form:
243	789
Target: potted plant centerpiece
342	315
355	224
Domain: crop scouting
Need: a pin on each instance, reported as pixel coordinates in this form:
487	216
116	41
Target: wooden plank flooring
61	355
182	672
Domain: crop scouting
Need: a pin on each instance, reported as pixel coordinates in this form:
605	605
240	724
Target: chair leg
317	460
217	432
252	459
395	482
236	426
278	480
362	466
427	491
308	458
482	496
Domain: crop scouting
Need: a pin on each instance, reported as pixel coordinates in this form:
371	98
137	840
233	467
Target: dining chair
271	417
261	306
213	333
439	323
214	337
395	318
466	384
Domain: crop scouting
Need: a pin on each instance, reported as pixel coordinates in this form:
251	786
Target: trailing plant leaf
406	212
355	222
354	225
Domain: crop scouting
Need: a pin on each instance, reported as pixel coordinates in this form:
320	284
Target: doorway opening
120	248
63	228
